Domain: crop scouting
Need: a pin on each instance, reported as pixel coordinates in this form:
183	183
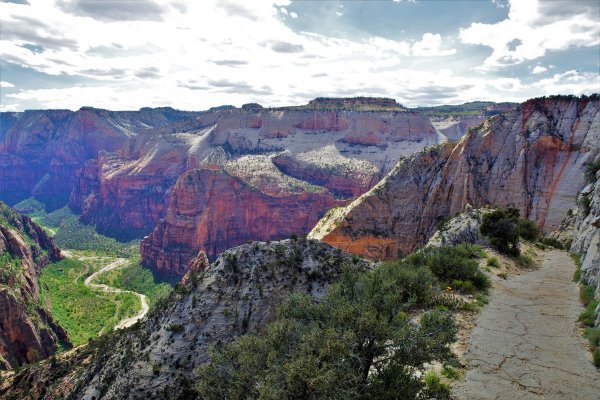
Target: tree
502	229
358	342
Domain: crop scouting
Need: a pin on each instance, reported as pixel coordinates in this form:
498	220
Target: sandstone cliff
215	209
41	150
157	358
531	158
27	331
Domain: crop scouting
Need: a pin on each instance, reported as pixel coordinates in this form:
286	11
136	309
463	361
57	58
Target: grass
82	311
138	279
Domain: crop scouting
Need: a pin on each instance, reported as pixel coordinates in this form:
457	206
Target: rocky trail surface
526	343
125	322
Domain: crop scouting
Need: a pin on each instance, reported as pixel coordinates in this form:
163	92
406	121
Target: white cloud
224	52
538	69
536	27
430	46
293	15
4	84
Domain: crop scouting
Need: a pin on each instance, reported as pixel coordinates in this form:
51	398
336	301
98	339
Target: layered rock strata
531	158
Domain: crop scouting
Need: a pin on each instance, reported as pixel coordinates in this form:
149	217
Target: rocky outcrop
463	228
213	209
531	158
41	150
586	234
238	293
27	331
455	126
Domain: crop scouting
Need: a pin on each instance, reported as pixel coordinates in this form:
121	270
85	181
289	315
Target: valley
412	234
94	289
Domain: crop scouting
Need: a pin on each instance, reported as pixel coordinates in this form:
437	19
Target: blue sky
195	55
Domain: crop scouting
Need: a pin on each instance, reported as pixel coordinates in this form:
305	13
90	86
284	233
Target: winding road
526	343
125	322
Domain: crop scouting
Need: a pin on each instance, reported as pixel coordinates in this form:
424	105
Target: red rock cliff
213	210
531	158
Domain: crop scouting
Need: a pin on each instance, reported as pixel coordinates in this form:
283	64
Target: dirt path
526	344
125	322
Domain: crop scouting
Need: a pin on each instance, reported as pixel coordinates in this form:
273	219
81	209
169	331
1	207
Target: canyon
155	171
532	158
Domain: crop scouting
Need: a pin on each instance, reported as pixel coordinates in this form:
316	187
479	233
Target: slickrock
27	331
532	158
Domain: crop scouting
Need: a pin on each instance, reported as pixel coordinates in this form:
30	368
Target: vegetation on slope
503	228
69	233
137	279
368	338
82	311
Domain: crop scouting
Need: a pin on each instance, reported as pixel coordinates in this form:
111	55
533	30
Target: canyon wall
27	331
42	150
263	175
531	158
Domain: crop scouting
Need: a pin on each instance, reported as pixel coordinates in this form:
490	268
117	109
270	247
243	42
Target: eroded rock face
531	158
238	293
27	331
586	234
41	150
215	209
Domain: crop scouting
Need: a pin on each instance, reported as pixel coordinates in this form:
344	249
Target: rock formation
238	293
586	233
41	150
256	175
215	209
27	331
531	158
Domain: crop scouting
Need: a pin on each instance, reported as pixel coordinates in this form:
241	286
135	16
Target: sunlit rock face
532	158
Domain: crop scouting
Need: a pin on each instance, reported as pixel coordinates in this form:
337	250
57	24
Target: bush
358	341
552	242
451	263
434	387
493	262
525	261
587	317
528	230
502	228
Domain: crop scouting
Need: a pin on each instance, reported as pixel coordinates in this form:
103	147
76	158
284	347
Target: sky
193	55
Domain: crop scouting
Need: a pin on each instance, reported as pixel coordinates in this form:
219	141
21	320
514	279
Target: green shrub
451	263
450	372
525	260
493	262
434	387
330	348
586	294
597	358
552	242
502	229
528	230
591	169
587	317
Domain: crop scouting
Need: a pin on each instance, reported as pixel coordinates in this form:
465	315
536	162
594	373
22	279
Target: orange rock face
531	158
212	210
